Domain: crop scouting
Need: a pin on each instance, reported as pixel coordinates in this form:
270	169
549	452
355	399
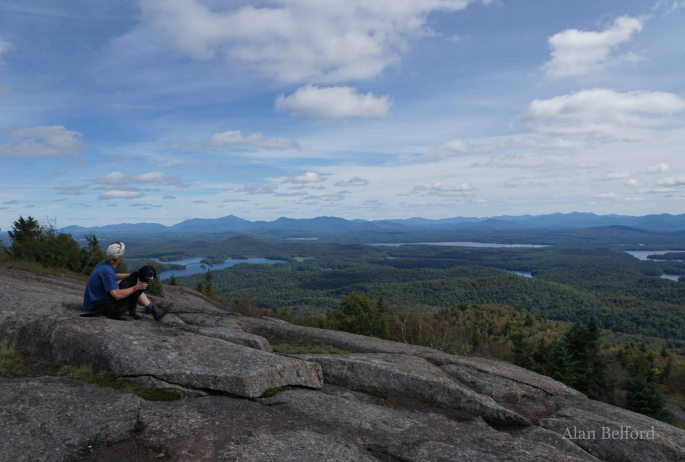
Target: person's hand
141	285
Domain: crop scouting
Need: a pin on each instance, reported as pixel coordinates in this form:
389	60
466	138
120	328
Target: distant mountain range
663	223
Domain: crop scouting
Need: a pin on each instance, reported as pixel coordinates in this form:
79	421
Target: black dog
115	309
146	274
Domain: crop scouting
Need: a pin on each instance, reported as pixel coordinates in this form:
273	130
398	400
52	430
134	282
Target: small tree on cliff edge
362	315
644	398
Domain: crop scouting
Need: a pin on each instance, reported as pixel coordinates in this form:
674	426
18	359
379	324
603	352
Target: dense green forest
625	294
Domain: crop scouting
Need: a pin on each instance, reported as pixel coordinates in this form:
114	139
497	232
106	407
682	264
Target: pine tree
172	280
644	398
91	254
560	365
583	343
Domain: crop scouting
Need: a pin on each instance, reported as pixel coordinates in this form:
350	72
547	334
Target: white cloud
631	182
671	181
73	190
520	181
114	178
618	198
354	181
324	197
617	176
659	168
44	141
120	195
305	178
168	197
5	47
235	138
333	103
452	148
160	178
294	41
576	52
255	188
442	189
603	114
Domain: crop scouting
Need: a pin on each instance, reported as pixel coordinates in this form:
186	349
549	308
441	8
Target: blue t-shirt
102	280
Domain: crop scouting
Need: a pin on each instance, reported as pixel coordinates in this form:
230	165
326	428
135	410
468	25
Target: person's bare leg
143	300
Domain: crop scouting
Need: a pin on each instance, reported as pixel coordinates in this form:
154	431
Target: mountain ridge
659	223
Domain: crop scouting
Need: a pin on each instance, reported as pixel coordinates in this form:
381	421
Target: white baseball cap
116	249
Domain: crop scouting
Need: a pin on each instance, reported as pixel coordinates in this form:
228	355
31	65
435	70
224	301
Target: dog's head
147	273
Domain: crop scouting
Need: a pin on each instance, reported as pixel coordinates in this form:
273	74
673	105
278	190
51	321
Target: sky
126	111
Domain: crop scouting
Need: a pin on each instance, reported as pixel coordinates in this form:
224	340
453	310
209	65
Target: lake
461	244
672	277
195	265
642	254
525	274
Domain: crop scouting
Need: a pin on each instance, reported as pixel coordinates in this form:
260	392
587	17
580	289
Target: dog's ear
154	272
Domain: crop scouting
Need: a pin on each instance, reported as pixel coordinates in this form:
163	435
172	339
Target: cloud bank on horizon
163	110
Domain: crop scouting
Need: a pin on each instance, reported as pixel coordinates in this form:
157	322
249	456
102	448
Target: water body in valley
525	274
672	277
461	244
643	254
195	265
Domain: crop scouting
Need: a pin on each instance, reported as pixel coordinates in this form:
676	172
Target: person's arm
121	276
118	294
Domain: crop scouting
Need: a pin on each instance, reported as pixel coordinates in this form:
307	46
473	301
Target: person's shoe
158	312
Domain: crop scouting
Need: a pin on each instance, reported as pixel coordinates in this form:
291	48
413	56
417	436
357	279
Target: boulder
56	419
607	432
409	376
136	348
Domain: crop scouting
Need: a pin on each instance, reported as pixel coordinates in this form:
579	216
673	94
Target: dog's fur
115	309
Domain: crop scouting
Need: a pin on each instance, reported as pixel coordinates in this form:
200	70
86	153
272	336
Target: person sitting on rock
103	297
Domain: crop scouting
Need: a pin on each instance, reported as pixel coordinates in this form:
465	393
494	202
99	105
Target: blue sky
163	110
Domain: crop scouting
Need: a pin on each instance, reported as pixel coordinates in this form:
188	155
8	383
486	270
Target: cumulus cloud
576	52
305	178
294	41
659	168
120	195
235	138
603	114
43	141
354	181
333	103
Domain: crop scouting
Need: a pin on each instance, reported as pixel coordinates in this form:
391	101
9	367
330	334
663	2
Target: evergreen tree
25	230
560	365
172	280
583	343
362	315
644	398
91	254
